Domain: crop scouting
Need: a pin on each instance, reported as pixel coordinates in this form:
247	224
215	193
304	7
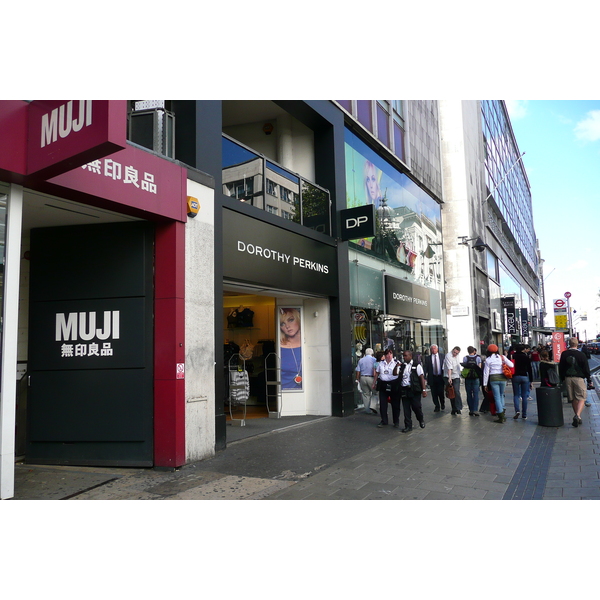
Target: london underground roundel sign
560	303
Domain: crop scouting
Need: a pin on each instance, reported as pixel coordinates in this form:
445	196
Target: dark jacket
522	365
428	367
581	361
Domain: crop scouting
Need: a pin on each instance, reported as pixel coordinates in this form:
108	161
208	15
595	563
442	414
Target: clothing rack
239	387
273	380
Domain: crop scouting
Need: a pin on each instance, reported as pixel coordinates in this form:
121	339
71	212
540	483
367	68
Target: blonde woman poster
290	341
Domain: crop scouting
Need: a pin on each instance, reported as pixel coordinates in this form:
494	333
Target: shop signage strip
407	299
260	253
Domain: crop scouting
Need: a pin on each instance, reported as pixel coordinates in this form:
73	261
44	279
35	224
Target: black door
90	399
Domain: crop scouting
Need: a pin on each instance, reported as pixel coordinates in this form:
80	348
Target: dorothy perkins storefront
277	310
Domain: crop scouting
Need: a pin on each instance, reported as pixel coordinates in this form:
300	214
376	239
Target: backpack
573	369
553	377
471	369
415	380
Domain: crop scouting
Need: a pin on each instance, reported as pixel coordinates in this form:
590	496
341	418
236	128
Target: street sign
567	294
560	321
559	303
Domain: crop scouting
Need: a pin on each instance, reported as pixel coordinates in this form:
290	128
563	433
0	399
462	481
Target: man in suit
434	374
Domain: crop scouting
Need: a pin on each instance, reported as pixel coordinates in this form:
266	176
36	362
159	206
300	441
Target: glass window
492	265
271	188
383	123
364	113
347	104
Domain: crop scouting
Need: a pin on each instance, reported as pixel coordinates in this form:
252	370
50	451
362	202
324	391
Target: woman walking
494	379
522	381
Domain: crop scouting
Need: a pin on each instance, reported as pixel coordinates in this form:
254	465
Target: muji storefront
92	291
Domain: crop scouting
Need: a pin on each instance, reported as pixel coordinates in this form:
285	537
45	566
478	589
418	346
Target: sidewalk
454	458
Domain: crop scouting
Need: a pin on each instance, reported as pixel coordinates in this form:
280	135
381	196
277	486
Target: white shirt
493	366
385	370
452	362
406	374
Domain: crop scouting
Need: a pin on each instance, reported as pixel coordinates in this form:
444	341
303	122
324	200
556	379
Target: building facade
396	275
172	267
492	260
93	293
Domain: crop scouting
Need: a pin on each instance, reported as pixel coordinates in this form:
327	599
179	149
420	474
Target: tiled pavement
453	458
470	458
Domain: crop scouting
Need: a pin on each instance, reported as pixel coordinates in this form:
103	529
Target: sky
561	141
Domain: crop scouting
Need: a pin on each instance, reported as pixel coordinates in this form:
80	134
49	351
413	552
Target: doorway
90	358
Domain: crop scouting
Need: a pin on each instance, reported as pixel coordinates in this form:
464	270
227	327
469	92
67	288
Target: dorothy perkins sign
407	299
260	253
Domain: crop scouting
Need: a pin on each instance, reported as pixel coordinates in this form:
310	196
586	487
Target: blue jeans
520	384
535	365
472	389
498	391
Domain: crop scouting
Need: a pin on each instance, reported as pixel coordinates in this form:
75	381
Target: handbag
450	392
507	371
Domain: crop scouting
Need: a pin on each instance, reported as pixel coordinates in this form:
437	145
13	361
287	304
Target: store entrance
90	364
274	369
249	354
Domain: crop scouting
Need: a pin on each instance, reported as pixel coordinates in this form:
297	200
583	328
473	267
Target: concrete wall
460	134
199	327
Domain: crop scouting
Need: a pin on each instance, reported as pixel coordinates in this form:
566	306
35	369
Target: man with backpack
574	370
472	374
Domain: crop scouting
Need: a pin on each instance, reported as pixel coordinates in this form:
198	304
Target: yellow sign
560	321
193	206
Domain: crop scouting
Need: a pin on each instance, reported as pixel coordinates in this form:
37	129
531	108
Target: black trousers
437	391
411	401
394	399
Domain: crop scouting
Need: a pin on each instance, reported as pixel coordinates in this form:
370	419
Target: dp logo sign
358	222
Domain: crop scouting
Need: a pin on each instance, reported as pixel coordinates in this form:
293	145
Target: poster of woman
290	341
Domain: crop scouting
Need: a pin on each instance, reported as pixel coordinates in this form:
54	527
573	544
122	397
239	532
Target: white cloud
589	129
578	265
517	109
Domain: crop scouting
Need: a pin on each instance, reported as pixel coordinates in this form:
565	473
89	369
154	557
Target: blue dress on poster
291	368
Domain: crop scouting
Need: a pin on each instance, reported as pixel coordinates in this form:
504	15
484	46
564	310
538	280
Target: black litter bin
549	407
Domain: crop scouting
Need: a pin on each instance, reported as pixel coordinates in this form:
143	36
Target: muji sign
64	134
61	121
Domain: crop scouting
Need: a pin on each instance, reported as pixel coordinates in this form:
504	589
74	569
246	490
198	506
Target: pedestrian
547	380
472	375
535	362
574	370
485	403
433	366
386	382
522	380
452	373
365	375
494	379
413	387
